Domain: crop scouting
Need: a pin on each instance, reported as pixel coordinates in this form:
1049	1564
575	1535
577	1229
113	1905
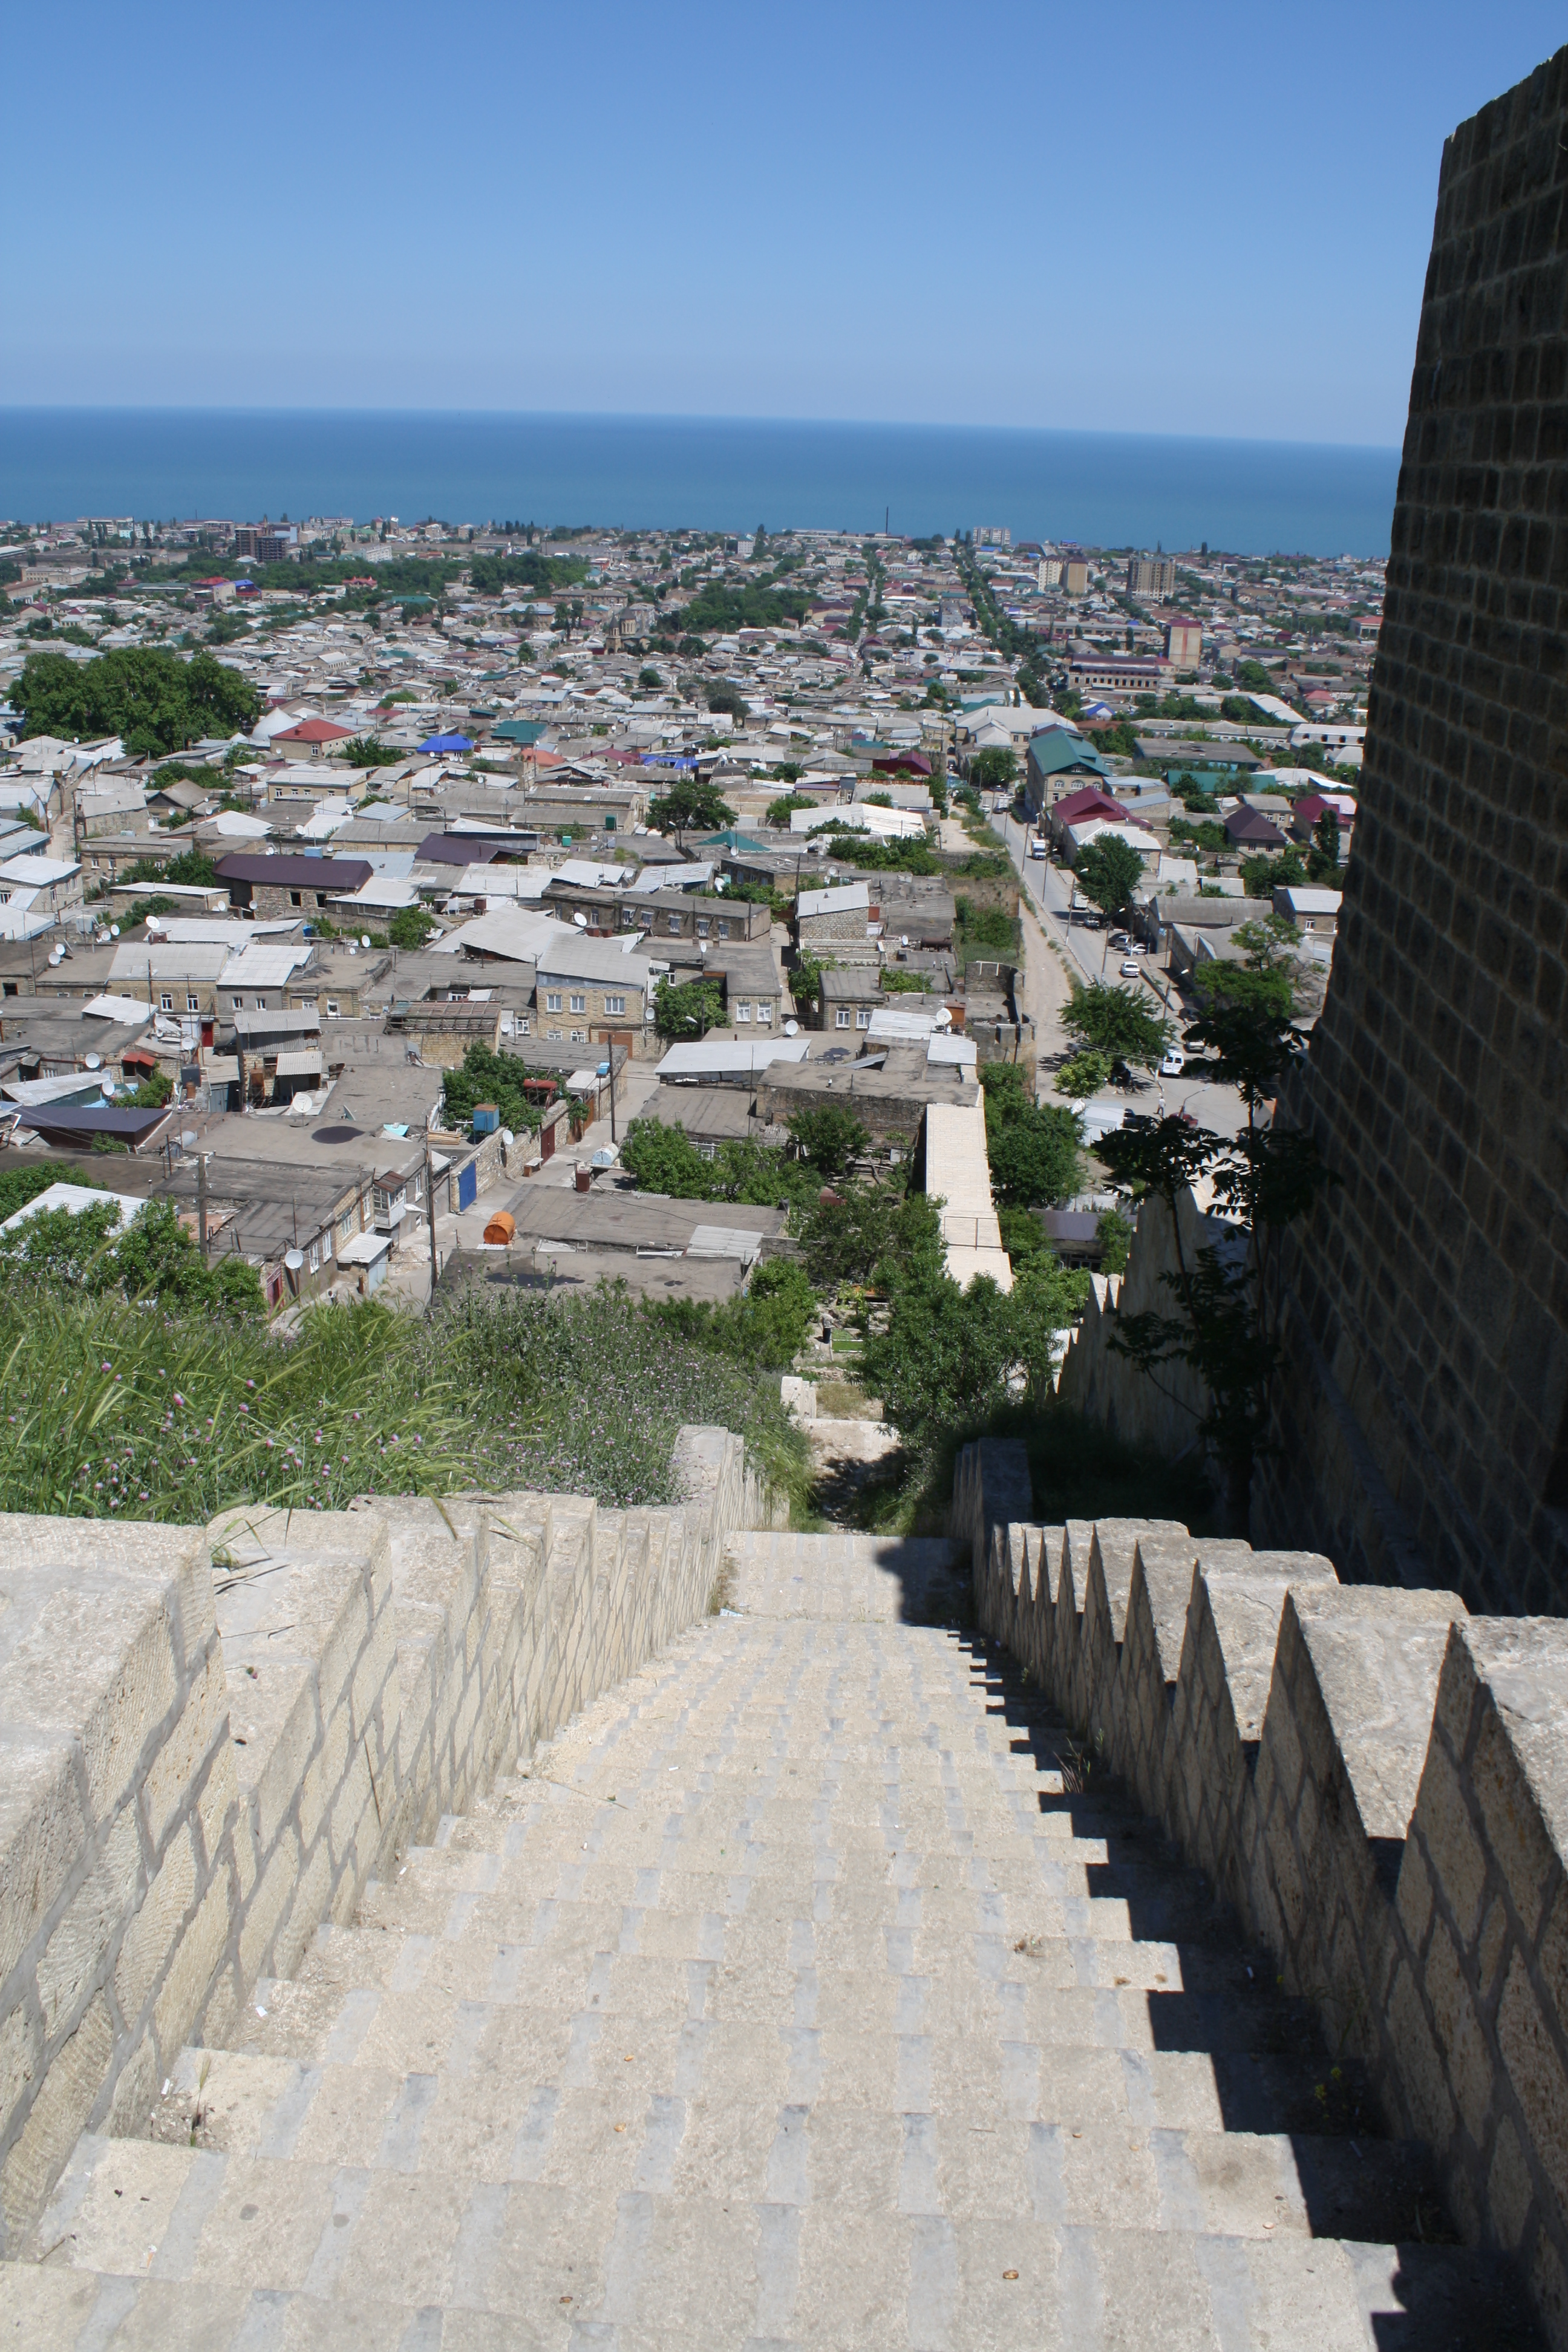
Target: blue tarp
447	743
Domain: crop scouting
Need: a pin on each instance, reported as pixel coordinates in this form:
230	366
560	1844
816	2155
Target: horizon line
679	417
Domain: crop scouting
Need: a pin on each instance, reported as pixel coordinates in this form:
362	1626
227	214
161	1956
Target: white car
1174	1064
1130	968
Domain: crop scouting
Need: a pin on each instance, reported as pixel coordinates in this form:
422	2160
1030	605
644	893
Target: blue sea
1108	489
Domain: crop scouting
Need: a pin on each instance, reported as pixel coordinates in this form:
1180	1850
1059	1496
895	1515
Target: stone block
173	1770
193	1970
43	1830
58	2116
75	1960
149	1938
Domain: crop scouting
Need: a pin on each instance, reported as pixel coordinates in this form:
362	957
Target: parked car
1174	1062
1130	968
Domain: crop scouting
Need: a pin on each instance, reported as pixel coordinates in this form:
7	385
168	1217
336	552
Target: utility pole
202	1201
430	1202
614	1136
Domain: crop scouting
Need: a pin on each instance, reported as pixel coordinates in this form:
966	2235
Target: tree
728	698
780	811
1108	871
488	1077
664	1158
830	1138
411	927
1115	1022
1245	1026
692	803
689	1008
1034	1147
1261	876
152	1257
995	770
1323	857
153	699
1083	1074
1228	1297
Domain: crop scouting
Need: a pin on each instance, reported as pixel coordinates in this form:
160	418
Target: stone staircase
808	1988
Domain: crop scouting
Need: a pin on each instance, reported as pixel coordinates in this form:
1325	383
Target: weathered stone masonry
1424	1437
1377	1782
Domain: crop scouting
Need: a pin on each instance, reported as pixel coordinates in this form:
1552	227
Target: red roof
1090	802
313	730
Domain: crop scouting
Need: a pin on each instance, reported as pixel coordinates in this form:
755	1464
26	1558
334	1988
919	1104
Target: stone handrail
214	1738
1378	1781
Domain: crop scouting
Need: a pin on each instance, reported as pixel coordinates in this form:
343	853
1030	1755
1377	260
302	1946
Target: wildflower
178	1398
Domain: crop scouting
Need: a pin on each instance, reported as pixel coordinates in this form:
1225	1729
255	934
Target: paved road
1087	952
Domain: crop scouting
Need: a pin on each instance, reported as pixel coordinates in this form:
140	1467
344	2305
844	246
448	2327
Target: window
578	1037
723	927
315	1257
628	918
703	926
193	1004
863	1017
614	1004
673	924
579	1003
261	1004
553	1001
166	1001
296	897
764	1012
333	1008
841	1018
743	1011
522	1025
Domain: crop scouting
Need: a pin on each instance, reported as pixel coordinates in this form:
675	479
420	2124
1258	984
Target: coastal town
490	844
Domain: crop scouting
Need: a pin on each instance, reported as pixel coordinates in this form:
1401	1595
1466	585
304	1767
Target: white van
1174	1064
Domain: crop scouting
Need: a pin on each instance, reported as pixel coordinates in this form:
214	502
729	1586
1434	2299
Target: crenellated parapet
1374	1779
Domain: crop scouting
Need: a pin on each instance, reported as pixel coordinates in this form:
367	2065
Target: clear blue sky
1190	219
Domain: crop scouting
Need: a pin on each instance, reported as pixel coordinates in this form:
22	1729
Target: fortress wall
214	1738
1424	1427
1374	1779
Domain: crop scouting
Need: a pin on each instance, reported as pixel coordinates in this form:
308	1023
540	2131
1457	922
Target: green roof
519	731
732	840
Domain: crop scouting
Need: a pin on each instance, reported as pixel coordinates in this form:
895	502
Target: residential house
590	992
1054	755
285	885
753	985
1249	830
841	912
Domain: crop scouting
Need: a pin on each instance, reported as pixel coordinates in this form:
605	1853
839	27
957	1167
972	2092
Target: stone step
717	2131
198	2243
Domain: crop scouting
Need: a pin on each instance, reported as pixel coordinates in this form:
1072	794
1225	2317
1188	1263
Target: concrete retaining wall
1378	1781
213	1737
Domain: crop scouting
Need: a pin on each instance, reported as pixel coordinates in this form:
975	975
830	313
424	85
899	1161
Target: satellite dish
364	940
293	1259
108	1088
304	1104
354	951
93	1061
792	1029
580	921
189	1141
114	930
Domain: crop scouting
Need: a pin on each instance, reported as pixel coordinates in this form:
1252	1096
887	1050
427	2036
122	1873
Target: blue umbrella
447	743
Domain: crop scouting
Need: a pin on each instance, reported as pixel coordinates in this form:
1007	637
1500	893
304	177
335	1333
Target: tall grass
588	1393
124	1409
154	1414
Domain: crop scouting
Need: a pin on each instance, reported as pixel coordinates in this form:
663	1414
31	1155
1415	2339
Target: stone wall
1424	1434
214	1738
1374	1779
1111	1389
